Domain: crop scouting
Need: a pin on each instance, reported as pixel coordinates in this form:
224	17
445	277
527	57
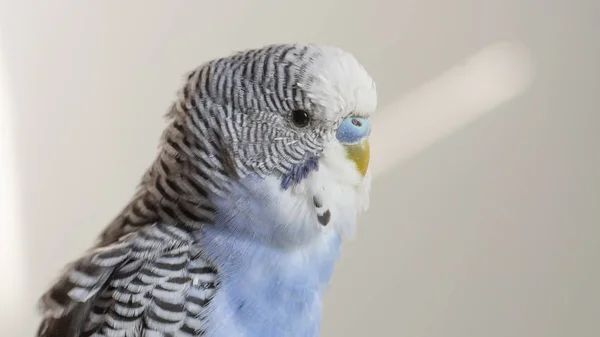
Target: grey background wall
493	230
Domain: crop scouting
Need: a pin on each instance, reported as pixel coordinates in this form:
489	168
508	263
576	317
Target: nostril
356	122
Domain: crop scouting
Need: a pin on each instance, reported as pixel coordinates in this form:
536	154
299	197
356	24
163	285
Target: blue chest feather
265	290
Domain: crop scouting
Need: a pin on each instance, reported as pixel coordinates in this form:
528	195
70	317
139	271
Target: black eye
300	118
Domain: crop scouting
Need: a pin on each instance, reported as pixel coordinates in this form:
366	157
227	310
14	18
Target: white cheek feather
340	188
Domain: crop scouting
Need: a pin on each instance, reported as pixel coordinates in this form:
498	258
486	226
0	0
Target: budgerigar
237	224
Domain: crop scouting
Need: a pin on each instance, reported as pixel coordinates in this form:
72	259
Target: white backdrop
485	215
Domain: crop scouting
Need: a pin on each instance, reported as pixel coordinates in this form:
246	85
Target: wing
151	282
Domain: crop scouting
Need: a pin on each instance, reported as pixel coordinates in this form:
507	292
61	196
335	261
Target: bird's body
237	225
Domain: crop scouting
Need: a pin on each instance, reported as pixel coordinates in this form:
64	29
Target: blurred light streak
12	259
496	74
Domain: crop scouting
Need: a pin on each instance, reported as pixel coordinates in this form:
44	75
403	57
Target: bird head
294	117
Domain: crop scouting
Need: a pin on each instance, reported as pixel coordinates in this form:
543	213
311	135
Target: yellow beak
360	154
